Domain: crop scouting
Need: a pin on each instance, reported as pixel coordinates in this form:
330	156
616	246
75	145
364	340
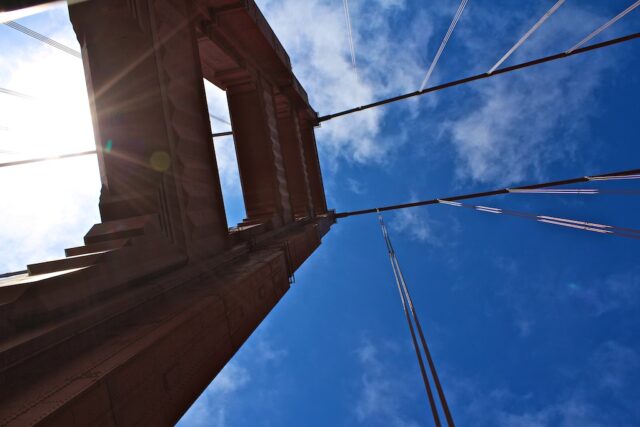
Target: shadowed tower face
132	326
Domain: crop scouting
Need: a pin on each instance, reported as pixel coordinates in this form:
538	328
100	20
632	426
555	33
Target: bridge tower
130	328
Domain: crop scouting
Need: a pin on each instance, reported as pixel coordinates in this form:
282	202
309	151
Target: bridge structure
130	328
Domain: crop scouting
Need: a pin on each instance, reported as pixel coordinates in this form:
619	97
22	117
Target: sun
55	119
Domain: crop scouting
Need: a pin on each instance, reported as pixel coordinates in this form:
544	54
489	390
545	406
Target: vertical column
313	164
294	161
150	118
260	162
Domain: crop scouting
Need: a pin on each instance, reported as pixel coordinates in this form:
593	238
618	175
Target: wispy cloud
314	33
46	206
515	127
579	403
220	405
382	395
600	296
621	363
420	225
211	408
414	224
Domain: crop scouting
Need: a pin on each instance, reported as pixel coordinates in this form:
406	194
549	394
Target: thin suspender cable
15	93
42	38
45	159
528	34
482	76
425	379
563	222
425	347
621	175
83	153
613	177
25	96
605	26
447	36
352	48
586	191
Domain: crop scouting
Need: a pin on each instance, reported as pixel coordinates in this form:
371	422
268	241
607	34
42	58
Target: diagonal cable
527	35
605	26
447	36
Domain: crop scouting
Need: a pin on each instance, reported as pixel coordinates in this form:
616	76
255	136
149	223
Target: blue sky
530	325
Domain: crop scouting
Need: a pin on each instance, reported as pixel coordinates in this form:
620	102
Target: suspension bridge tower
130	328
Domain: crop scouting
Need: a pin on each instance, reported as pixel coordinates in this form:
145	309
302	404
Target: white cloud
620	362
211	408
45	206
581	403
420	225
314	33
382	392
355	186
221	403
232	378
617	291
414	224
519	125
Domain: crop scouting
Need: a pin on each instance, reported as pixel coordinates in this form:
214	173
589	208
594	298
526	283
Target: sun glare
45	206
55	119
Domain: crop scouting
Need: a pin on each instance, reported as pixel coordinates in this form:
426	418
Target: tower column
150	118
259	153
294	160
313	165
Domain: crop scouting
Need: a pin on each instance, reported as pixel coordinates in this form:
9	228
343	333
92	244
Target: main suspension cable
82	153
445	40
46	159
621	175
44	39
220	119
483	76
528	34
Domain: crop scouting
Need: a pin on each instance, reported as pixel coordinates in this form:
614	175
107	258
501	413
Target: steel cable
444	42
528	34
44	39
352	48
423	372
605	26
563	222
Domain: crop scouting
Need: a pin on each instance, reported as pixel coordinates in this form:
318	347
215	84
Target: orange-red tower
130	328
